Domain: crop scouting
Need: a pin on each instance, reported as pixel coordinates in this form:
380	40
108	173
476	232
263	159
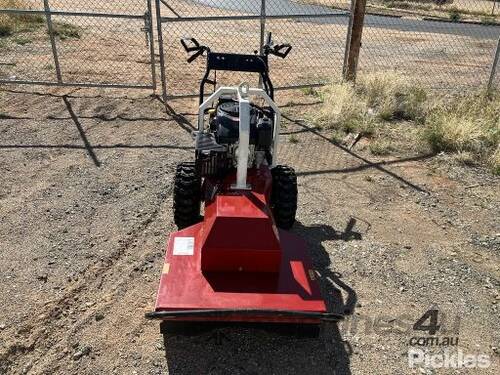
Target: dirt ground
85	212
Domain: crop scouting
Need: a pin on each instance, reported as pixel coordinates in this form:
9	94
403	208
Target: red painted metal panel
237	259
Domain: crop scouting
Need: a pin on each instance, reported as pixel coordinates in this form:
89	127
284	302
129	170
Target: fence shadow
368	163
231	350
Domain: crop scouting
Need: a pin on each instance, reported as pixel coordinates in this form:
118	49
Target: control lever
192	45
280	50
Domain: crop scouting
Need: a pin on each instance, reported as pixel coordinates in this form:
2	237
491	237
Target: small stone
99	316
2	326
82	352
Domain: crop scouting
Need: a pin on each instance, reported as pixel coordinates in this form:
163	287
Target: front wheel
187	195
284	196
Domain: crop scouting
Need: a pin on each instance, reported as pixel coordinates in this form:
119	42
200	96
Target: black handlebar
192	45
257	63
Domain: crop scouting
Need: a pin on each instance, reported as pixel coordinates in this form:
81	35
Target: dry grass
467	126
376	97
16	23
495	161
467	123
393	96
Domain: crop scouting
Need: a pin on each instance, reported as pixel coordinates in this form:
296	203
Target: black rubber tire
187	195
284	196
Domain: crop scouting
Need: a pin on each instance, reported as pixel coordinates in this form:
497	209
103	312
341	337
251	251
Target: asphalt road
338	17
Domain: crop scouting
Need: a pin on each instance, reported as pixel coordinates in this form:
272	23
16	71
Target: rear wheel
284	196
187	195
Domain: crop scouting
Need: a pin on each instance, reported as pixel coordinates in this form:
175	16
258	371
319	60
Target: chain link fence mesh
424	41
317	33
438	55
96	42
443	44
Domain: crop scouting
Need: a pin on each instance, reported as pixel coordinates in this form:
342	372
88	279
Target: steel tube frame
74	84
151	40
163	76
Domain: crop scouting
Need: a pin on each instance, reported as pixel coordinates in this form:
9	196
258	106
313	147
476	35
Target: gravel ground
85	210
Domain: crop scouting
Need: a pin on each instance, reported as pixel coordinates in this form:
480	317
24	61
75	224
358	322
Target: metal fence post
348	38
149	20
161	53
52	40
262	25
358	20
262	31
494	65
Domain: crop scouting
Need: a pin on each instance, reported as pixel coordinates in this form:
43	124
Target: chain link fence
442	44
77	43
438	53
317	34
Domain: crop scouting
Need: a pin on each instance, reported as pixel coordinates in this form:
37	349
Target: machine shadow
250	350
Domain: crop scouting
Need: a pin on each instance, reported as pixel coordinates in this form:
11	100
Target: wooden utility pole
354	42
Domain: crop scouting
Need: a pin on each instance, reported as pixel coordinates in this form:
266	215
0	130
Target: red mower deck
237	266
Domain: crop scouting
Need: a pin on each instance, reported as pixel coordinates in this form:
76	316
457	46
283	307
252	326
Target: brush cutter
237	263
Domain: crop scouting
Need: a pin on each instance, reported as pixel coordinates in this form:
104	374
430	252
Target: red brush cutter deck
237	266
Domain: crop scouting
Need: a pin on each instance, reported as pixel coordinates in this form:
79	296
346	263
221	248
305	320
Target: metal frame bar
251	17
151	40
75	84
280	88
73	14
163	76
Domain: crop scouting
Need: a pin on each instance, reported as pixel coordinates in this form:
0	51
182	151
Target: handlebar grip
195	56
188	48
277	50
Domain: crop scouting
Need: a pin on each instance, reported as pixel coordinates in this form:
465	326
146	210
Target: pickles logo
448	359
434	323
